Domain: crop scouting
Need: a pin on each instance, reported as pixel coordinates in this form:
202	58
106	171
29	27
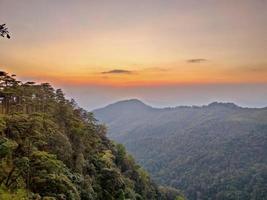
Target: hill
51	149
217	152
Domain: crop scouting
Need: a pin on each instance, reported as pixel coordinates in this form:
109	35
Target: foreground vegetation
52	149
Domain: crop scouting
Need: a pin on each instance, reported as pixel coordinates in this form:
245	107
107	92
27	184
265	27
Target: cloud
253	68
155	69
197	60
256	72
257	68
117	71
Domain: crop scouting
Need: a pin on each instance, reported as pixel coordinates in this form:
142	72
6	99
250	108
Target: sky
164	52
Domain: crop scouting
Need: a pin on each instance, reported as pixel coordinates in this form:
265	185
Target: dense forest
51	149
213	152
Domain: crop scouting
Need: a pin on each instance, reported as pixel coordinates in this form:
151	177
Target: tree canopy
52	149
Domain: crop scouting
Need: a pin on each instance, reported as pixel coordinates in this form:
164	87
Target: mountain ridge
195	148
211	104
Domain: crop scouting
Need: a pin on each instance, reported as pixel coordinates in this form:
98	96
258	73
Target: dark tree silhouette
3	31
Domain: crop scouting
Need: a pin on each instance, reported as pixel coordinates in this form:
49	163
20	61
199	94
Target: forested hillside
52	149
214	152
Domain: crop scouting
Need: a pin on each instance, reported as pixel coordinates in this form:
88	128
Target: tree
3	31
52	149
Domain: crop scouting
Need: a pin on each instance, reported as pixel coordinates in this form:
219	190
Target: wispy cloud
197	60
256	68
117	71
157	69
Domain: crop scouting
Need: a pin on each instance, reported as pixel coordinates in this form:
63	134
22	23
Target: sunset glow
122	43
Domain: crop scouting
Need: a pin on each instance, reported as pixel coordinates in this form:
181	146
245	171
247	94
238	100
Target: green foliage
51	149
213	152
6	146
180	198
19	194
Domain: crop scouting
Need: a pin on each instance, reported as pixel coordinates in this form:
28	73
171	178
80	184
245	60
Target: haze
166	53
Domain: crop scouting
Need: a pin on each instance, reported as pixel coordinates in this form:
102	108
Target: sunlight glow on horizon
125	43
75	43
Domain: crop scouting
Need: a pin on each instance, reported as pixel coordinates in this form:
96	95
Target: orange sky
148	45
136	42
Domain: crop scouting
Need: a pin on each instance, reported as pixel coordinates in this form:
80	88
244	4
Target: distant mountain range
218	151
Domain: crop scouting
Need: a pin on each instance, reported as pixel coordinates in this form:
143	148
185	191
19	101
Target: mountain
217	151
51	149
